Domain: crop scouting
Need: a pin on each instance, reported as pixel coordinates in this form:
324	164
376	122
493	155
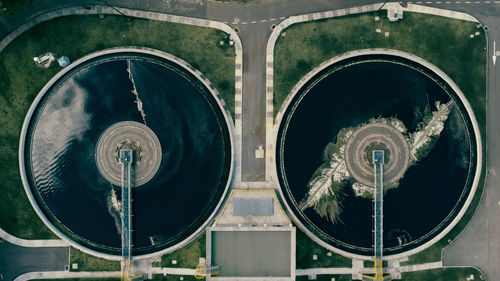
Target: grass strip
90	263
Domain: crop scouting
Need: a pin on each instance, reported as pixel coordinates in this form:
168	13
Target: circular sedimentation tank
364	101
127	98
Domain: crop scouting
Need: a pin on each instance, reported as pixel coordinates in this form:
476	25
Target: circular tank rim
143	50
395	53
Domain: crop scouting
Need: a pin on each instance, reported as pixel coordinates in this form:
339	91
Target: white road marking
494	52
272	19
458	2
253	22
448	2
225	22
244	22
467	2
438	2
263	20
282	18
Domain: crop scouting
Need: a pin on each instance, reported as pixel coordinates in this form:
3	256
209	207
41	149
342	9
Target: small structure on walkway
394	14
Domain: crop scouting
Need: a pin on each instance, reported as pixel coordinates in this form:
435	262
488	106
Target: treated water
351	94
62	139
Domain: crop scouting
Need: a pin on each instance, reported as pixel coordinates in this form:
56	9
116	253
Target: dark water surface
62	137
348	94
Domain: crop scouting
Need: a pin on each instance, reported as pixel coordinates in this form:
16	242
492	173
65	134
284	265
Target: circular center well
128	135
359	148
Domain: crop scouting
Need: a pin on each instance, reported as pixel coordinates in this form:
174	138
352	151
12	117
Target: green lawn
443	274
76	36
442	41
187	257
14	6
306	248
90	263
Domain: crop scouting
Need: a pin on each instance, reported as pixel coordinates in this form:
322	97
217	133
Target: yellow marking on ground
379	272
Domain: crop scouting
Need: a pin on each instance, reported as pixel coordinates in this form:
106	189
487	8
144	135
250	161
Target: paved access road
16	260
479	244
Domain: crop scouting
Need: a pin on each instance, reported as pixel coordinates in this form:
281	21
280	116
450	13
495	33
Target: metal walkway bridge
378	226
126	159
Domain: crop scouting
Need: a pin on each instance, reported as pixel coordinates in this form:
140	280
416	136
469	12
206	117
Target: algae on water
326	185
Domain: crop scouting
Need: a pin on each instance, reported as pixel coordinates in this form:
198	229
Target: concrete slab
228	217
252	252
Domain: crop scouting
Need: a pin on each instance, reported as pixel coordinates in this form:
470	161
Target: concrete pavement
254	41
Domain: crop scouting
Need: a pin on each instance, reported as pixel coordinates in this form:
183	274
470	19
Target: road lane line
282	18
272	19
253	22
244	22
263	20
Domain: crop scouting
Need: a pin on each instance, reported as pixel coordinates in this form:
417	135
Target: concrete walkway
356	271
67	274
31	243
99	274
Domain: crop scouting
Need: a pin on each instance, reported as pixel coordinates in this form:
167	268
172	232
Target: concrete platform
252	253
229	218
